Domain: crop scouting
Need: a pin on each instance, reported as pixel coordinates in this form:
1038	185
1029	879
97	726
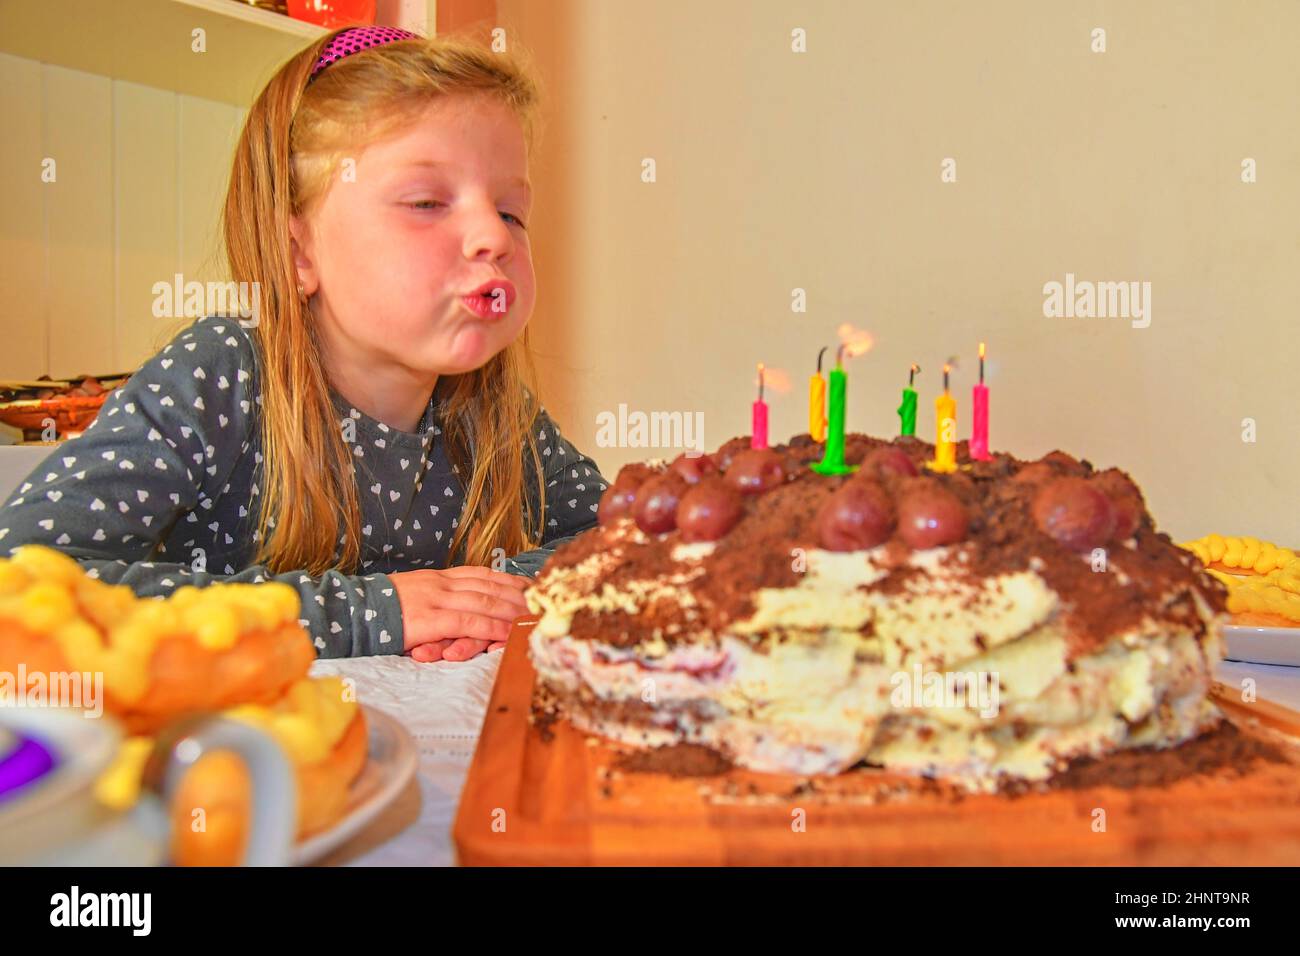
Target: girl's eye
433	203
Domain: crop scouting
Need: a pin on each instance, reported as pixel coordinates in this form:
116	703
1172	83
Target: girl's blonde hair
289	151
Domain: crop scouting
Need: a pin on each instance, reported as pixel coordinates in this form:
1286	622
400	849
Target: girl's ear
300	249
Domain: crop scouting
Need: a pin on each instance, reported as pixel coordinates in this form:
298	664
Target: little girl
372	437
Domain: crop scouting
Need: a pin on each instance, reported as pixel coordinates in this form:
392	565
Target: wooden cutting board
559	797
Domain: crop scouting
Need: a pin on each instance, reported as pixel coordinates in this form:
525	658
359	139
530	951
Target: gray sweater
162	491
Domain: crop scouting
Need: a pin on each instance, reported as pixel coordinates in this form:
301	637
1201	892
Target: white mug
49	815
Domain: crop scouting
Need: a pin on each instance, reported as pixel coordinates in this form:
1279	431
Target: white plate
1262	645
390	764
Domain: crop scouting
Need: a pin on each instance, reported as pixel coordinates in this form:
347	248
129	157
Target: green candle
832	462
907	411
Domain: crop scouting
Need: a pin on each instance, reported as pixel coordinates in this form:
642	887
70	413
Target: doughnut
1263	579
199	649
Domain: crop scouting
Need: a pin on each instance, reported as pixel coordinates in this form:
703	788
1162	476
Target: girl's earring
301	293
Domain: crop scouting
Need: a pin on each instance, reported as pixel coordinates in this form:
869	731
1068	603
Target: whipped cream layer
839	667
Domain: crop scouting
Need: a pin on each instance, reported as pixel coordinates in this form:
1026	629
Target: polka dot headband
354	40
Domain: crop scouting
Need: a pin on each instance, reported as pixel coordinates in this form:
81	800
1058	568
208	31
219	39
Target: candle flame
915	368
946	368
855	341
981	350
775	379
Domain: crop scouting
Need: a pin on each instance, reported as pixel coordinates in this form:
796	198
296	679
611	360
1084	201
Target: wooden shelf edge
264	19
149	42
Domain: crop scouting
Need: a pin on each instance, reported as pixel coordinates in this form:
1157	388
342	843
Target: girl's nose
488	235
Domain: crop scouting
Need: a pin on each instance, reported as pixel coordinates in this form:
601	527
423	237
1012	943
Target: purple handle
29	761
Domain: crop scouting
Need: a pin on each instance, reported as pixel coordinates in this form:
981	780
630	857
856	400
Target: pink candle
758	437
979	439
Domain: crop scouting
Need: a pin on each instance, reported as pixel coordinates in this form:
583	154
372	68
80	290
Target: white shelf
149	42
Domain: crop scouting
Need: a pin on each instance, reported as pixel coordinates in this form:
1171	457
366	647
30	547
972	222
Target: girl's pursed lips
489	289
484	306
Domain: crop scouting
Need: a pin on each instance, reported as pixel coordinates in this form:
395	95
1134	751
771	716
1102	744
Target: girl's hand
454	614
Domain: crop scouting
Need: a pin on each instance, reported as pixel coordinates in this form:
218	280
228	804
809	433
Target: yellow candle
817	402
945	441
817	407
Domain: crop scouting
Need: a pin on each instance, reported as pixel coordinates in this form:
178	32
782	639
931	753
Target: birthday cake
990	623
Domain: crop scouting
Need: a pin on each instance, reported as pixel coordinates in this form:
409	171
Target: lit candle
945	443
759	437
907	411
817	402
832	462
979	438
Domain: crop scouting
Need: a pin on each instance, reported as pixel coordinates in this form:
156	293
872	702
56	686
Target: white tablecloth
443	705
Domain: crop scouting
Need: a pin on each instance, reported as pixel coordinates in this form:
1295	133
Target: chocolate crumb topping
779	525
544	711
675	760
1222	750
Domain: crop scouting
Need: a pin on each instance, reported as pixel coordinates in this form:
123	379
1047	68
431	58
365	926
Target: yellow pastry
1263	579
200	649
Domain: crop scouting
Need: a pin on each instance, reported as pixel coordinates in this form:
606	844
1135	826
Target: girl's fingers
476	603
500	591
496	646
517	581
430	652
444	623
463	649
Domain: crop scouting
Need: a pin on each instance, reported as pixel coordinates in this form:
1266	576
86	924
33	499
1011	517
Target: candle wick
819	359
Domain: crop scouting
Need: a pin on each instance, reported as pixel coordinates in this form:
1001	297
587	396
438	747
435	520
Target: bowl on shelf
334	13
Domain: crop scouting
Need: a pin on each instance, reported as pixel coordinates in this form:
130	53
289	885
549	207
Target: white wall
821	171
140	177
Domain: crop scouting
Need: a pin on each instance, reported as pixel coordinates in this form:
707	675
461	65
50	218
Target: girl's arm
574	486
161	453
